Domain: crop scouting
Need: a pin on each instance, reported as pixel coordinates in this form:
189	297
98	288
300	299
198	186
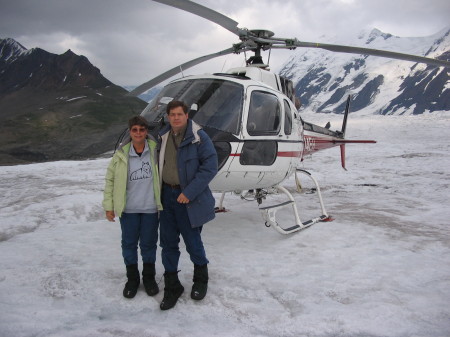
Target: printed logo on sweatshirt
143	173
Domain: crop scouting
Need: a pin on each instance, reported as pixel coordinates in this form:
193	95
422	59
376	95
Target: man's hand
110	215
182	199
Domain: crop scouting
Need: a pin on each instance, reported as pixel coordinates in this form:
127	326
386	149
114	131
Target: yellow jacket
114	195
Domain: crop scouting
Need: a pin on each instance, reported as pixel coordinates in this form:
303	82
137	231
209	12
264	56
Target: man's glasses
136	130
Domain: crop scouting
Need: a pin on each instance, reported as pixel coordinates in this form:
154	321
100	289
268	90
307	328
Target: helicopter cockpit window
218	102
220	106
287	118
156	109
264	116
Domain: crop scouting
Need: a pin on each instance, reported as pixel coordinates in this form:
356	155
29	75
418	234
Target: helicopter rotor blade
204	12
176	70
268	42
368	51
257	40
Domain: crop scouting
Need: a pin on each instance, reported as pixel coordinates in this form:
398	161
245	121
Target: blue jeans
139	228
174	220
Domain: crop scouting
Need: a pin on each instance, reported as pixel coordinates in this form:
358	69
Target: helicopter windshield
214	103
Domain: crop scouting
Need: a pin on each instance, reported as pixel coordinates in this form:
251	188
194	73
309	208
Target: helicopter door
259	152
263	123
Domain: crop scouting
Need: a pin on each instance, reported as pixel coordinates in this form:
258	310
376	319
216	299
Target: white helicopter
252	117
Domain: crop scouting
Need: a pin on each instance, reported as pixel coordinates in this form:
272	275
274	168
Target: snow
75	98
382	268
76	116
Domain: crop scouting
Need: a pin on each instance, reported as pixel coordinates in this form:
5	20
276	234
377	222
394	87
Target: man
132	192
188	162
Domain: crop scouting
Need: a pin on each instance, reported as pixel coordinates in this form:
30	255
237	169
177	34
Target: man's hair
137	120
176	104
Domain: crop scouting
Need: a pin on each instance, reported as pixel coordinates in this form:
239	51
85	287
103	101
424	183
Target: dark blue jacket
197	166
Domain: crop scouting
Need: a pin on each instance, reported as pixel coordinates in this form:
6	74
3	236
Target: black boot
200	286
132	285
172	290
148	279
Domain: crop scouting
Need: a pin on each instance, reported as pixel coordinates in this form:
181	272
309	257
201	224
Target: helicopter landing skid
220	208
269	212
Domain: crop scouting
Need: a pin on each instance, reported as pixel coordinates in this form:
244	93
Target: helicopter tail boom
318	138
314	144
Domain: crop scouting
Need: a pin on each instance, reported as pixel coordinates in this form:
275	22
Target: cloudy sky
132	41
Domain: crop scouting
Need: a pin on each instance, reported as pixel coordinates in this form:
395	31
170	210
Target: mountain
148	95
323	79
55	107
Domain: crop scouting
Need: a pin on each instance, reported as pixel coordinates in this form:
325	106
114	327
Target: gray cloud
134	40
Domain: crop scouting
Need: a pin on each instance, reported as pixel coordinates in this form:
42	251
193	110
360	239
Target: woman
132	192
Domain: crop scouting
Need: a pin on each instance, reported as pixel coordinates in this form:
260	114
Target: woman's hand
110	215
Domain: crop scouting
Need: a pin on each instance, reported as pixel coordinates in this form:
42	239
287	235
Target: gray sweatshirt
140	195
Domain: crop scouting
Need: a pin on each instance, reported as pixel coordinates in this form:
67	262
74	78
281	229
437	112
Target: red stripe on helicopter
279	154
338	140
314	144
290	154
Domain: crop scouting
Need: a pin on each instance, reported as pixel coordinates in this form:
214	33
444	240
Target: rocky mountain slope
56	107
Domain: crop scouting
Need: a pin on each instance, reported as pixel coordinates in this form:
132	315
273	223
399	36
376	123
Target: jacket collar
124	149
191	135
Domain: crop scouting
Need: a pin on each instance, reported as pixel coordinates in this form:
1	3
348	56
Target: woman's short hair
137	120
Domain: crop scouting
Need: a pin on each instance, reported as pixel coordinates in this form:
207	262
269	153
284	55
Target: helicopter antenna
223	67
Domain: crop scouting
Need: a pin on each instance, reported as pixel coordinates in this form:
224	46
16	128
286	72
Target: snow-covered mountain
10	50
148	95
323	79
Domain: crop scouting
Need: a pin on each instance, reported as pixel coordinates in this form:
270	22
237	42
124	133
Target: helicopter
252	116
